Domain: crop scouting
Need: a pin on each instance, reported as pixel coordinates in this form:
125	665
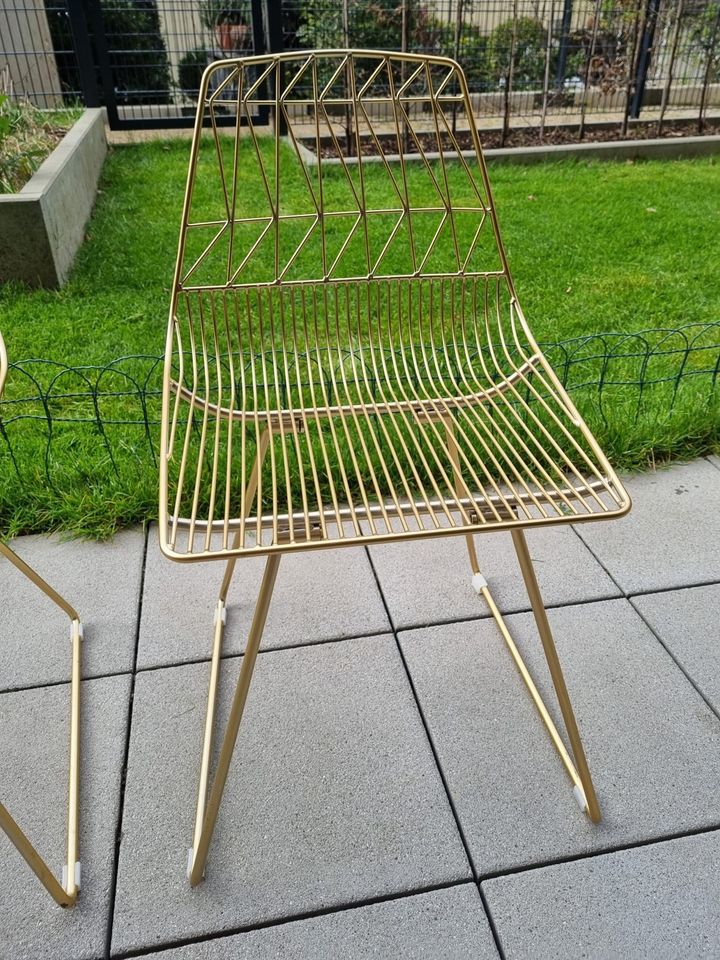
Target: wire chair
64	893
347	362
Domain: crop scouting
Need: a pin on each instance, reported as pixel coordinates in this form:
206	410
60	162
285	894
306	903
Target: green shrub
190	71
529	61
27	136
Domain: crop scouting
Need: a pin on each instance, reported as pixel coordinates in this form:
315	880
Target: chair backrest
334	193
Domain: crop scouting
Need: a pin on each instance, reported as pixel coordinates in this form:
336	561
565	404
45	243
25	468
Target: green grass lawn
594	247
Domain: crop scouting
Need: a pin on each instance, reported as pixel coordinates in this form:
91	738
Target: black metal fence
528	62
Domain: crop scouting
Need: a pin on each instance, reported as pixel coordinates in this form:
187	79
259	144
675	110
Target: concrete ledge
609	150
42	226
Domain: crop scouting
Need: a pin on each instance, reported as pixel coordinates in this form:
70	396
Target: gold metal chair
347	362
66	892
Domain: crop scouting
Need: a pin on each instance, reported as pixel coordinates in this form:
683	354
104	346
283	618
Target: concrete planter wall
42	226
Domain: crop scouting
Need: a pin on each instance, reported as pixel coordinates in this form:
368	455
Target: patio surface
393	793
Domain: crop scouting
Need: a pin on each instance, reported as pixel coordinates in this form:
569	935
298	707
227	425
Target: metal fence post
643	66
83	52
564	36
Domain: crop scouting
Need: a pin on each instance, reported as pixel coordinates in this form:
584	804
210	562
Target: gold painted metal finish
347	361
65	893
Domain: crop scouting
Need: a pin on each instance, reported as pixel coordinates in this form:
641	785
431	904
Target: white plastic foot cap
479	582
189	862
78	875
579	795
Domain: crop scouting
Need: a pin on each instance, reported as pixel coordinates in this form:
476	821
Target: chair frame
282	534
66	891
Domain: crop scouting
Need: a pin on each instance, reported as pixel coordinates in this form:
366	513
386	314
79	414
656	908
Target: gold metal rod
248	498
238	705
428	506
73	829
39	582
33	859
530	684
220	615
531	584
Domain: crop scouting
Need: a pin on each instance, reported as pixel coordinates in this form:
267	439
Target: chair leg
219	635
584	791
66	893
207	813
577	769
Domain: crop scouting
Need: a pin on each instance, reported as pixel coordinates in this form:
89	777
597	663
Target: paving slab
429	581
660	902
445	924
333	796
325	595
670	537
102	582
33	774
687	623
715	461
652	743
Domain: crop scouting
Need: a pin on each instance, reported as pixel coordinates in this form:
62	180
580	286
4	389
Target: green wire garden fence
82	441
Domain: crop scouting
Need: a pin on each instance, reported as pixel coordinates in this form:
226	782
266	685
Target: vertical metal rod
250	491
209	720
556	673
236	712
74	775
671	65
509	77
643	64
83	52
546	77
708	71
633	54
591	54
64	897
563	51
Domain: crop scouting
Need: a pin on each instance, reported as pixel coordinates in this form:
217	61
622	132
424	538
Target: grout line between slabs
436	758
123	775
629	598
405	628
605	851
293	918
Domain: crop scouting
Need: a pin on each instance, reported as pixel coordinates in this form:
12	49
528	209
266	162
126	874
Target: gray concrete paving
652	744
330	597
448	924
33	775
333	796
102	582
686	621
670	537
428	581
660	902
380	781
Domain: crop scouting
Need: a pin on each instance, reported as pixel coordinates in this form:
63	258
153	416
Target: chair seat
398	413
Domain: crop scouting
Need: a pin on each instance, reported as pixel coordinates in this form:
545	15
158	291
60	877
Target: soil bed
526	137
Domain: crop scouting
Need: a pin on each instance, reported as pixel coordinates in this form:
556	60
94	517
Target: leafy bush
27	136
190	71
530	48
